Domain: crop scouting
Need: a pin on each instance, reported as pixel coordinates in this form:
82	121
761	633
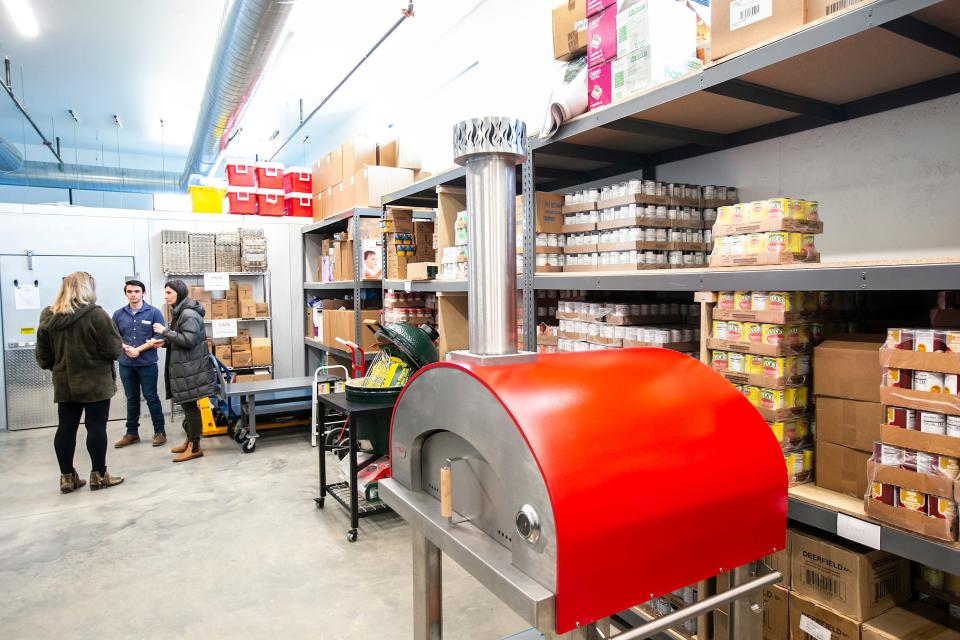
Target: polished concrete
227	546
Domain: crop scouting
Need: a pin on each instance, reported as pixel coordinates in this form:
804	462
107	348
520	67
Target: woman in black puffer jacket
189	372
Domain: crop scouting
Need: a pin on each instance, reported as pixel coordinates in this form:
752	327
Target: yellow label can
755	365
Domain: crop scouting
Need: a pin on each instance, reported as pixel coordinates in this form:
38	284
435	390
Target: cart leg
321	454
427	590
354	502
252	411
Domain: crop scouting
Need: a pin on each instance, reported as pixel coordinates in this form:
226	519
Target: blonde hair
78	290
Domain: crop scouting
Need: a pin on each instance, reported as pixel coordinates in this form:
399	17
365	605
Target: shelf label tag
815	630
225	328
216	281
746	12
407	286
866	533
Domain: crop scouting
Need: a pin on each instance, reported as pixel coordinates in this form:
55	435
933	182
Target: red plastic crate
299	205
269	175
298	180
240	173
270	202
242	200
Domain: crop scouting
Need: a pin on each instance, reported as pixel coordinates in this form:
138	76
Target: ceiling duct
10	157
251	32
87	176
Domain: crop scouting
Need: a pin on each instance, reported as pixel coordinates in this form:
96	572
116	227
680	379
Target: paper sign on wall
225	328
216	281
26	297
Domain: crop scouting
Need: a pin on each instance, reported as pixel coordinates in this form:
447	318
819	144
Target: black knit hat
180	287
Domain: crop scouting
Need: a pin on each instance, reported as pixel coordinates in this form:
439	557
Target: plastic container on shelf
269	175
270	202
207	194
298	180
240	173
242	200
298	205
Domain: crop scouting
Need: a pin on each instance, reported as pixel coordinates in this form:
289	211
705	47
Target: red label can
882	492
942	508
912	500
901	417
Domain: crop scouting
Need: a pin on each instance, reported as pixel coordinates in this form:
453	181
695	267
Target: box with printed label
233	309
816	9
599	90
263	310
247	309
602	37
776	612
648	67
811	620
668	28
244	292
219	310
855	581
596	6
548	208
738	24
569	29
912	621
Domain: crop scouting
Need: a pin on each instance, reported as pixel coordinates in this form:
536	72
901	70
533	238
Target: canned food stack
548	330
765	232
413	308
915	466
640	224
933	583
175	251
761	341
203	256
671	603
594	326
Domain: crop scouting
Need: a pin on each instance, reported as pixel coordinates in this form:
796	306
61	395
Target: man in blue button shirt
138	362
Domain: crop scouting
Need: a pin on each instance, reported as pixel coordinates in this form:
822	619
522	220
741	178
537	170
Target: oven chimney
490	148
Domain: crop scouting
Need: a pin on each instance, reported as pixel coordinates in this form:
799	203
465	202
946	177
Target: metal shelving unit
343	285
428	286
316	343
268	327
424	192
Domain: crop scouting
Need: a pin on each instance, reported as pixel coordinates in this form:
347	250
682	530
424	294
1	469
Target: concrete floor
227	546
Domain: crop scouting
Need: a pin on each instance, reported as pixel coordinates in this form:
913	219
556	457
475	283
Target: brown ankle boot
180	448
189	453
70	482
104	481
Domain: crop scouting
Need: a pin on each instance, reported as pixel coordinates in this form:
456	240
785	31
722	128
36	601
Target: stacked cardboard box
774	599
548	227
761	341
846	389
570	29
408	242
359	172
635	45
916	461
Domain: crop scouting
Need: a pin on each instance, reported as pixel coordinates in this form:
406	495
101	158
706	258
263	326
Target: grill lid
416	343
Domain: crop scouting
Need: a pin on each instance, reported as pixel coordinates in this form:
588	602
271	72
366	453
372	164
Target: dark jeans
135	380
192	421
65	442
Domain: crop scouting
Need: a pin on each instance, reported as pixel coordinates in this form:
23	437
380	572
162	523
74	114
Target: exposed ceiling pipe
8	87
91	177
251	32
10	158
406	13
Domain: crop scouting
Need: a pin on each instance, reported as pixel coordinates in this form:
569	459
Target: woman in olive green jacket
79	344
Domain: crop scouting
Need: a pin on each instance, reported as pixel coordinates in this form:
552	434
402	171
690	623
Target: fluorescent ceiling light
22	14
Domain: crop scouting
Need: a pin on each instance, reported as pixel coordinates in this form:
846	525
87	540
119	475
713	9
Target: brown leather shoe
70	481
104	481
127	439
180	448
159	439
189	453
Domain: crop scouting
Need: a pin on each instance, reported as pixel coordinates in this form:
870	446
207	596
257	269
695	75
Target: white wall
81	231
888	184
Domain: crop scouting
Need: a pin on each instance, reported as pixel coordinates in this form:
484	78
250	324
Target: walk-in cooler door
27	390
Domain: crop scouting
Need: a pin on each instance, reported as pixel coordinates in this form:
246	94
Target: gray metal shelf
901	543
328	225
341	285
264	319
229	273
829	277
316	343
883	55
424	192
429	286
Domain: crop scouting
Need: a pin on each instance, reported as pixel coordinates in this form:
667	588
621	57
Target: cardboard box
599	86
848	367
343	265
357	153
400	153
602	37
855	581
233	309
422	270
340	324
569	29
240	343
321	206
816	9
667	29
922	400
776	613
245	292
328	171
262	350
648	67
452	314
242	358
332	197
369	230
915	521
919	441
830	623
255	376
735	25
219	310
232	292
344	196
398	221
200	294
840	468
263	310
223	354
548	211
850	423
248	310
780	561
944	362
913	621
372	183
